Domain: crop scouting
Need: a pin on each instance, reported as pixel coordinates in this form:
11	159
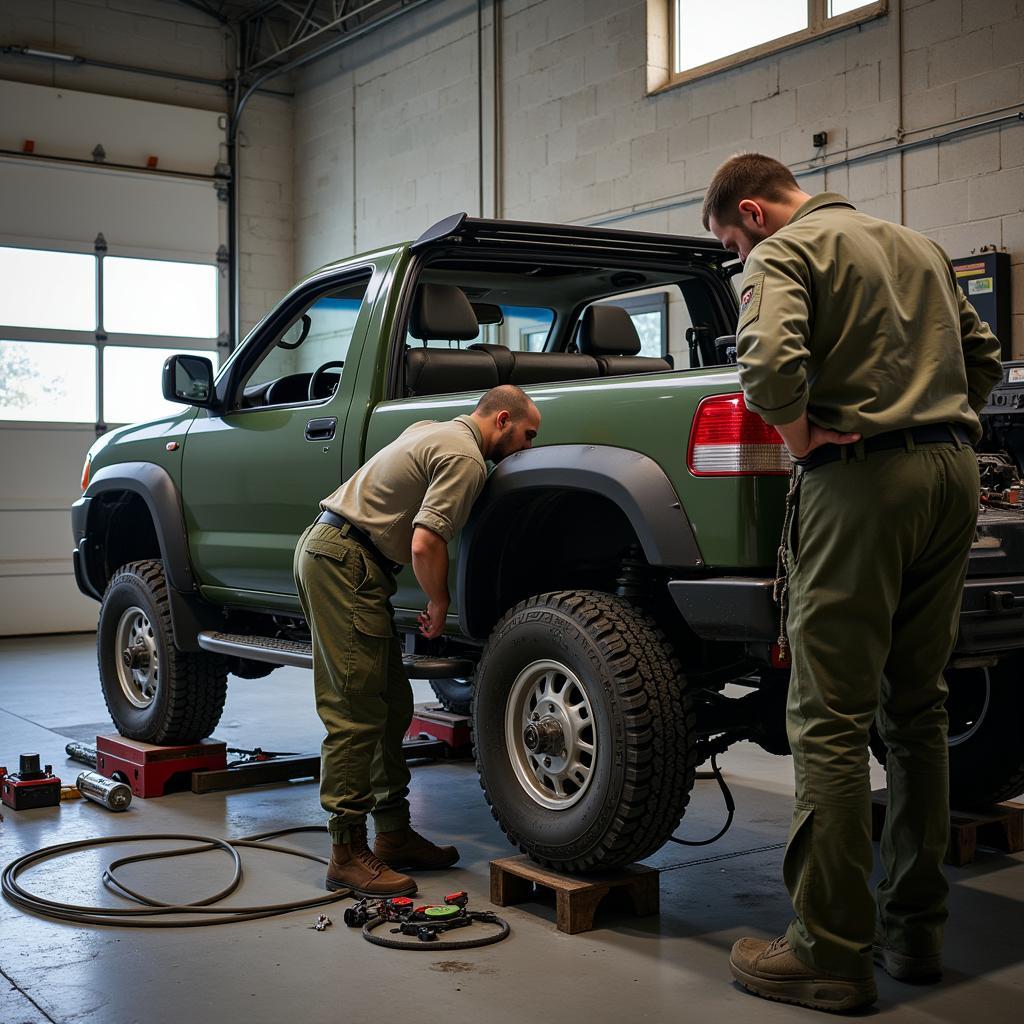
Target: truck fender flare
630	480
156	488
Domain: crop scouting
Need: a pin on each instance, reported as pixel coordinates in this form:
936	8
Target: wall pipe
697	195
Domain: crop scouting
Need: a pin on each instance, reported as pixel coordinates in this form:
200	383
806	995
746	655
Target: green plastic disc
441	911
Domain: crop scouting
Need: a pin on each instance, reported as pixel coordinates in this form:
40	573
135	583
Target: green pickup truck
612	624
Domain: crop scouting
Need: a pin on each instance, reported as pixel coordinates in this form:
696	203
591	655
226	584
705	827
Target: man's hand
802	436
432	620
430	564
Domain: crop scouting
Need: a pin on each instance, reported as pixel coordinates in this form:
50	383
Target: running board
300	655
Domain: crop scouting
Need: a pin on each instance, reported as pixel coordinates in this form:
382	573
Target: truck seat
525	368
608	334
439	371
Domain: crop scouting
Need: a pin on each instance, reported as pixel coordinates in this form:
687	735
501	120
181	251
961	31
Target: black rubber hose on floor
437	945
125	917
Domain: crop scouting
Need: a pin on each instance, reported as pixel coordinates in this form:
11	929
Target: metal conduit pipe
697	195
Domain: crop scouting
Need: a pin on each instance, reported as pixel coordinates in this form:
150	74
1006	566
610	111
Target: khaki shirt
430	475
861	323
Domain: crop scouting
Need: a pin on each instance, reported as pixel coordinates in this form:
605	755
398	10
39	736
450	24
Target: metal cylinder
82	753
115	796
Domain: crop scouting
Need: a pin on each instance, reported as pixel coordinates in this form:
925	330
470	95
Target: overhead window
50	290
132	388
159	297
71	321
44	381
689	39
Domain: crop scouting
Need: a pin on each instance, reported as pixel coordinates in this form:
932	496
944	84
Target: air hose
125	917
438	945
730	807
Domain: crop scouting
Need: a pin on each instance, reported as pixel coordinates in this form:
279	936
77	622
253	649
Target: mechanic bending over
404	505
855	341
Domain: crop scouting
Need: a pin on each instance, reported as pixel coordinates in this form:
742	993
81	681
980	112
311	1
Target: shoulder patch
750	300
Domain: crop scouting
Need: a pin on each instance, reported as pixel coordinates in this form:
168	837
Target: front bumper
741	610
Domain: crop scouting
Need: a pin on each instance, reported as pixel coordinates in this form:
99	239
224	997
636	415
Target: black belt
937	433
362	538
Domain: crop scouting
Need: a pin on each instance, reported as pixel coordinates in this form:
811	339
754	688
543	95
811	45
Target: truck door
252	477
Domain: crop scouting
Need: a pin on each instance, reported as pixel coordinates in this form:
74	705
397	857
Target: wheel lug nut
547	762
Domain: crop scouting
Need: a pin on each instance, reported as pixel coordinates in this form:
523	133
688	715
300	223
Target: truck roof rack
460	228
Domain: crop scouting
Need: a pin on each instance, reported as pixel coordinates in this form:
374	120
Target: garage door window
50	290
83	336
159	297
131	383
43	381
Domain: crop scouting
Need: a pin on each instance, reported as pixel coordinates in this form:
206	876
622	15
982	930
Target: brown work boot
916	970
354	866
772	970
406	848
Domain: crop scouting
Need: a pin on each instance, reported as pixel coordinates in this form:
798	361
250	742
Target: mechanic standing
855	341
404	505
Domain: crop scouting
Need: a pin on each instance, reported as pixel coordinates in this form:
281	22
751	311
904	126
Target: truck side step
300	655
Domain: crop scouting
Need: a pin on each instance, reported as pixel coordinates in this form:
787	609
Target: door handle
321	429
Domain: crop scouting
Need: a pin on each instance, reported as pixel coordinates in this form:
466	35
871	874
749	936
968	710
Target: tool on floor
322	922
70	793
82	753
30	786
113	795
153	913
425	923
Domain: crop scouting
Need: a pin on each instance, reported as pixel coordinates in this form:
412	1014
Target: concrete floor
668	968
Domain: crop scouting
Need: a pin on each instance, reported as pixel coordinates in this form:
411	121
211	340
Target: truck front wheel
583	733
986	734
154	692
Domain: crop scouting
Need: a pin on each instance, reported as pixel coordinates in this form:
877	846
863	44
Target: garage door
104	271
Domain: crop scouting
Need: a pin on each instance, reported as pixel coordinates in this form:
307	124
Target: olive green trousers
363	695
877	556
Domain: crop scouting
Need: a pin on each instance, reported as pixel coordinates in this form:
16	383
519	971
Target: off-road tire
986	760
191	687
454	695
644	723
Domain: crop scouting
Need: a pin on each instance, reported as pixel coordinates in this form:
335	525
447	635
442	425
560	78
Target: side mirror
189	380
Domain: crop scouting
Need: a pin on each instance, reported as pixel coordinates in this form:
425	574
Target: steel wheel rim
544	692
138	659
976	712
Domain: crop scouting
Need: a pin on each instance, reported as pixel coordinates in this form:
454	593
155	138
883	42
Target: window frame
248	356
662	34
99	338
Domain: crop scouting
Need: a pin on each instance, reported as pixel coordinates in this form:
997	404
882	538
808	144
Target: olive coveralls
860	323
430	476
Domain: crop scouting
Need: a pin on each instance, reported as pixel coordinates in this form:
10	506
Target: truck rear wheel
154	692
986	734
583	734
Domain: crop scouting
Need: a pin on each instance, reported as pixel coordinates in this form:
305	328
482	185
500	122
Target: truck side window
319	335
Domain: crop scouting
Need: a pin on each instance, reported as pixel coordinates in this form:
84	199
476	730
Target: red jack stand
433	727
151	770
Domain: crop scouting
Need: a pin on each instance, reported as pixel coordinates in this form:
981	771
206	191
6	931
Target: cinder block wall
398	130
170	36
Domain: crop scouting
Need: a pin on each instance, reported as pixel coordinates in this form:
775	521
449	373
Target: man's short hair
505	398
746	176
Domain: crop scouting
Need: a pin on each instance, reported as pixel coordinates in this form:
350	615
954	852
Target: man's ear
503	419
752	209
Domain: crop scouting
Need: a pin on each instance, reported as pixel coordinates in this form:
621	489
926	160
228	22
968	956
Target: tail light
728	440
85	471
